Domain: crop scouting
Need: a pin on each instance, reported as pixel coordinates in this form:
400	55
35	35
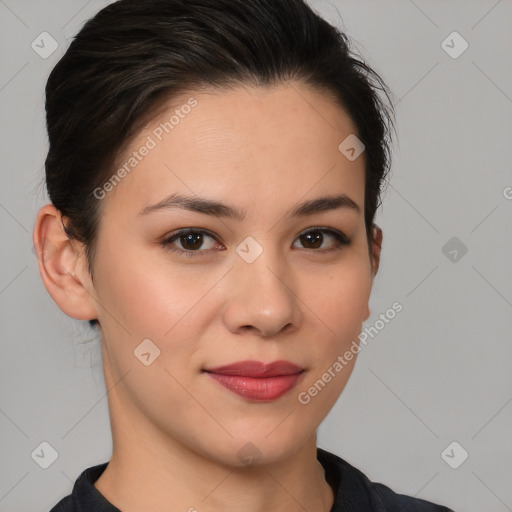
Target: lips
257	381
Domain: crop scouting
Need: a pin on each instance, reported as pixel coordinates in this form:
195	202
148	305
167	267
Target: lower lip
261	389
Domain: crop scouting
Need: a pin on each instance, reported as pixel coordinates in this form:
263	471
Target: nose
262	296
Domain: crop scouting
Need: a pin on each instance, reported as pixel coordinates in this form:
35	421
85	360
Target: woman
214	171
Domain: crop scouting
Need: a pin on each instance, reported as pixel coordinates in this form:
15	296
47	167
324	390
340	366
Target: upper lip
257	369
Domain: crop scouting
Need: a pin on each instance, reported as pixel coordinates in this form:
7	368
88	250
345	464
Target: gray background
439	372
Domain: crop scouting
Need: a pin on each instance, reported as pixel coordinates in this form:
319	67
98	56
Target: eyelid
184	231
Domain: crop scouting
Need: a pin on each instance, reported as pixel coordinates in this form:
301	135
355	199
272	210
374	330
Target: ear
63	266
375	259
377	246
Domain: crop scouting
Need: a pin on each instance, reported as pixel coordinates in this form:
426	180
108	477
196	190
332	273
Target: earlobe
62	266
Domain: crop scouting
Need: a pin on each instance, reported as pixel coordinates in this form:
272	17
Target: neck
149	471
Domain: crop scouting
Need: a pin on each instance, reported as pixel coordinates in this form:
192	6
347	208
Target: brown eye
191	241
314	238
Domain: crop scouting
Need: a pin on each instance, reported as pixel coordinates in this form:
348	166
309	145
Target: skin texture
176	432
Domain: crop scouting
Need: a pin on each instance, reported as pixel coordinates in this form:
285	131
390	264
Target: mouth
257	381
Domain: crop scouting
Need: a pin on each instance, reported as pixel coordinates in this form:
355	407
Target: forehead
242	143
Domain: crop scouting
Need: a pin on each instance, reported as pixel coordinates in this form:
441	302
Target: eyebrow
218	209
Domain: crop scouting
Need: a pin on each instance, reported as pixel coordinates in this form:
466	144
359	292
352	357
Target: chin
257	450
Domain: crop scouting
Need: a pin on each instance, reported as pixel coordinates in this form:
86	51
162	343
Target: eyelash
341	241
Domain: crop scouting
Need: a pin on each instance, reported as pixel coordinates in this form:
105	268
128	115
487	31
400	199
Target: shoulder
64	505
355	491
84	495
391	500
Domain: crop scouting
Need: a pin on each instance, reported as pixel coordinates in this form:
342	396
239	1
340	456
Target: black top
355	494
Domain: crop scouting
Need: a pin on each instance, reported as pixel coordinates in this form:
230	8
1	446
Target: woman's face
255	287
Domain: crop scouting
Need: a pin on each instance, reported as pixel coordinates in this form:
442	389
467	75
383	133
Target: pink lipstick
256	380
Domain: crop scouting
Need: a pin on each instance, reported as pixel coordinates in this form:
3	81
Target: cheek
337	311
340	297
151	297
147	293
